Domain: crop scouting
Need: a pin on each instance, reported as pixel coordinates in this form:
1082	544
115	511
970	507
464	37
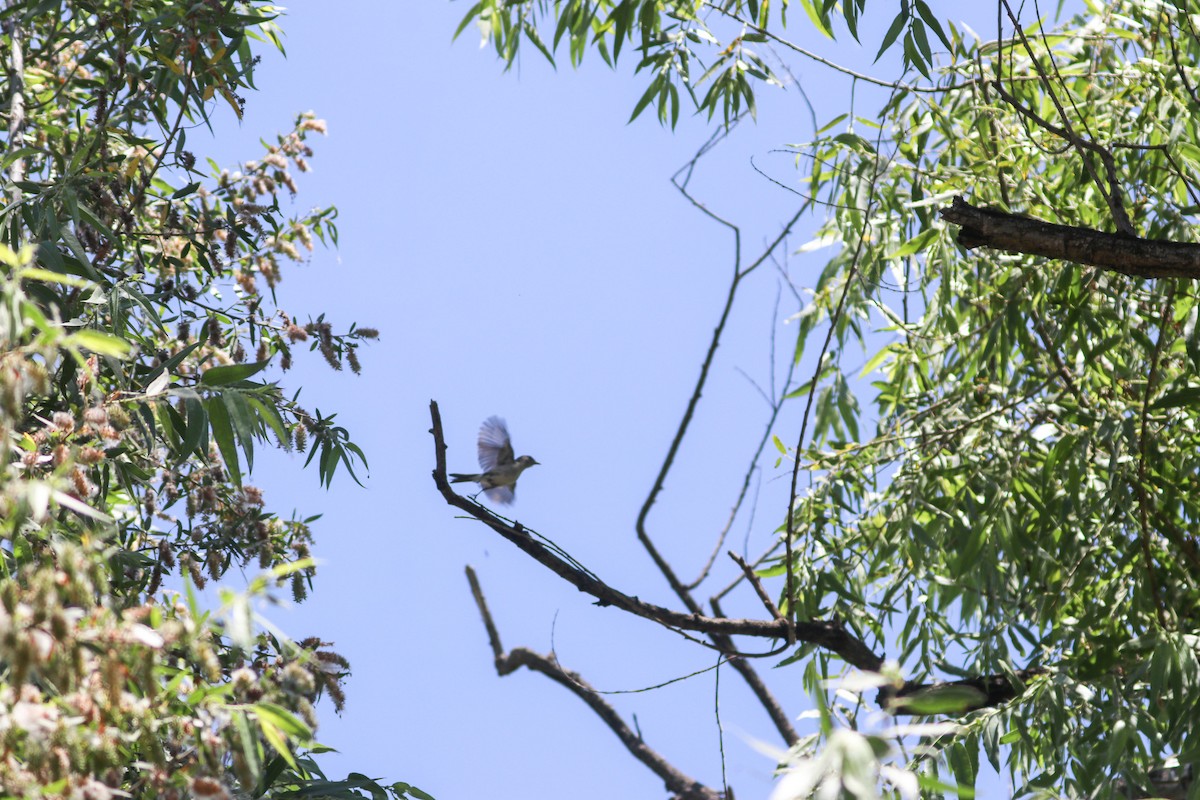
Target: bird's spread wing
495	449
501	494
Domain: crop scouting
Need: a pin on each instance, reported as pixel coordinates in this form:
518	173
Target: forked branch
830	635
680	785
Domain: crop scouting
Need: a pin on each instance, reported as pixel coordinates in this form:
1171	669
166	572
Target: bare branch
748	571
681	590
481	603
831	635
682	786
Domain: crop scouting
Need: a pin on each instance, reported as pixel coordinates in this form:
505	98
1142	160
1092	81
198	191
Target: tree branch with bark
1015	233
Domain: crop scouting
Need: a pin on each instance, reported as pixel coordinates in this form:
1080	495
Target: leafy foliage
1025	500
672	35
1020	489
138	318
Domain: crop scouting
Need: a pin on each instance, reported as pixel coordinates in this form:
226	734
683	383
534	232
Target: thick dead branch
680	785
1140	258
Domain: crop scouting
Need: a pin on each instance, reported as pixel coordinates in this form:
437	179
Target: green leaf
39	274
937	788
222	431
532	35
948	699
851	12
916	244
186	190
127	289
232	373
10	156
913	55
890	37
651	92
285	720
197	423
269	414
330	454
470	15
174	361
104	344
412	790
819	21
918	34
1178	399
244	424
932	22
93	219
248	740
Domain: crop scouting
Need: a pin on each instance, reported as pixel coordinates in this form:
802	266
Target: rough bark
1140	258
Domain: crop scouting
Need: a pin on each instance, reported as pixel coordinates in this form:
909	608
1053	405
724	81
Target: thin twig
1052	349
812	391
766	699
1110	190
748	571
895	85
681	590
720	728
16	104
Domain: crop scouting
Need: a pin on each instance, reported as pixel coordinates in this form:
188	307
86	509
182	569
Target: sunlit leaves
671	36
137	312
1026	496
231	373
332	443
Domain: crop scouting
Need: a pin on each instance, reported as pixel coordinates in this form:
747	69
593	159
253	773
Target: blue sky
523	253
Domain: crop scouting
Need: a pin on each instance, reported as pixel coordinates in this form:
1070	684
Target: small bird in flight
500	469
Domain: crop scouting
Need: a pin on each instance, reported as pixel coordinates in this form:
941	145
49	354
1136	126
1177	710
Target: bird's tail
458	477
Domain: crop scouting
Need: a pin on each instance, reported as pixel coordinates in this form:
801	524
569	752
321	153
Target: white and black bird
500	469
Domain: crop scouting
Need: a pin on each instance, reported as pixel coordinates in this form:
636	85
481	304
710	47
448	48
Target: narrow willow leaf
103	343
231	373
222	431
